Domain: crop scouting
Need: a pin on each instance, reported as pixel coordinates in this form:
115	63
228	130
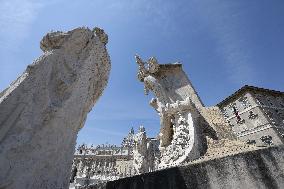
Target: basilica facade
98	164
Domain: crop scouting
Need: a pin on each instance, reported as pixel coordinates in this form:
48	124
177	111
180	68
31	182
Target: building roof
245	89
171	65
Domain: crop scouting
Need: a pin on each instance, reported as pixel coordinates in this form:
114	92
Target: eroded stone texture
177	105
43	110
185	122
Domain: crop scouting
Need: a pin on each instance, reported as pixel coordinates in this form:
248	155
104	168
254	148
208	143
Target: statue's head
77	39
141	128
80	64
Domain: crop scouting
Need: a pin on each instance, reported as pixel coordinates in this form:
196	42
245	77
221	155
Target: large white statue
181	135
43	110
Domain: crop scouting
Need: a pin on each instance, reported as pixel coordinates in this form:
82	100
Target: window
232	125
236	112
267	140
252	115
245	103
250	141
225	113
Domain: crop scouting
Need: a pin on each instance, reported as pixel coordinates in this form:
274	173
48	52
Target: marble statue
44	109
177	104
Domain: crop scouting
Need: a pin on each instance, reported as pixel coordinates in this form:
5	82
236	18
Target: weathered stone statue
43	110
140	150
185	122
144	152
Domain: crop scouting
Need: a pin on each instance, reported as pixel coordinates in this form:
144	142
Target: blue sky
222	45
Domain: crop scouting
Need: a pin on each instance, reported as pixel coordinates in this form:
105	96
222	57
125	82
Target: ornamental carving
180	137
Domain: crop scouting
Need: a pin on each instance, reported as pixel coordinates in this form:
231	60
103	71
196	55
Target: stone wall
256	169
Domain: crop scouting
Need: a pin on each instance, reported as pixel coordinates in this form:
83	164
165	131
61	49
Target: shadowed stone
248	170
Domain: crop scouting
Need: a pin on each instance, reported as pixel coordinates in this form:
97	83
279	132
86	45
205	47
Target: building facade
256	115
95	165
